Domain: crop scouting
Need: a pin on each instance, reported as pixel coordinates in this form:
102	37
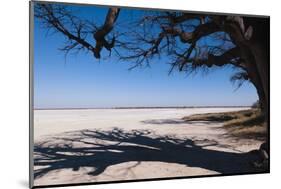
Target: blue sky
83	81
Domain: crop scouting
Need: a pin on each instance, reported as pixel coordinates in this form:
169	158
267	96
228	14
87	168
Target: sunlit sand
95	145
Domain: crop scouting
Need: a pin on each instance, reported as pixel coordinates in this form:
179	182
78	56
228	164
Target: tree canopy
191	40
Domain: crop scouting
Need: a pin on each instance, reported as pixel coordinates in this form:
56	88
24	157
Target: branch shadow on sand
100	149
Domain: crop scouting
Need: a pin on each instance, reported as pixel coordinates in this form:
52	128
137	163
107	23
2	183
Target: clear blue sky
83	81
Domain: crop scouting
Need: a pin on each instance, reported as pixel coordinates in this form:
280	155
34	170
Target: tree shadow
100	149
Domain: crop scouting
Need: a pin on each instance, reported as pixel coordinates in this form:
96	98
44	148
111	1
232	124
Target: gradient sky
83	81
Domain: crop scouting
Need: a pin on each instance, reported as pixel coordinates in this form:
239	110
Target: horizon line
143	107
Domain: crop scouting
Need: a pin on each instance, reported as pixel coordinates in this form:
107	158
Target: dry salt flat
97	145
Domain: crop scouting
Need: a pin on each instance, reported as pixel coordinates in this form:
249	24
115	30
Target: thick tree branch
191	37
107	27
225	58
231	56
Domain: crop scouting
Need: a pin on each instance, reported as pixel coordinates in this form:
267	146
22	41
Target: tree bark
259	47
251	35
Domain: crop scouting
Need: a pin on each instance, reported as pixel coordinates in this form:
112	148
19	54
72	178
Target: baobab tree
192	41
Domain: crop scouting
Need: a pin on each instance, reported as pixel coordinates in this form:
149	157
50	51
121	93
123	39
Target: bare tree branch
47	13
58	18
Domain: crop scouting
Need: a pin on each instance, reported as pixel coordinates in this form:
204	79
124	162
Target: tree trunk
259	45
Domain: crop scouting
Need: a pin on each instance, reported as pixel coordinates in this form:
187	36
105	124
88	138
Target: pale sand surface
94	145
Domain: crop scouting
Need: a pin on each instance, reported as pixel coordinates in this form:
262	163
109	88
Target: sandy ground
95	145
